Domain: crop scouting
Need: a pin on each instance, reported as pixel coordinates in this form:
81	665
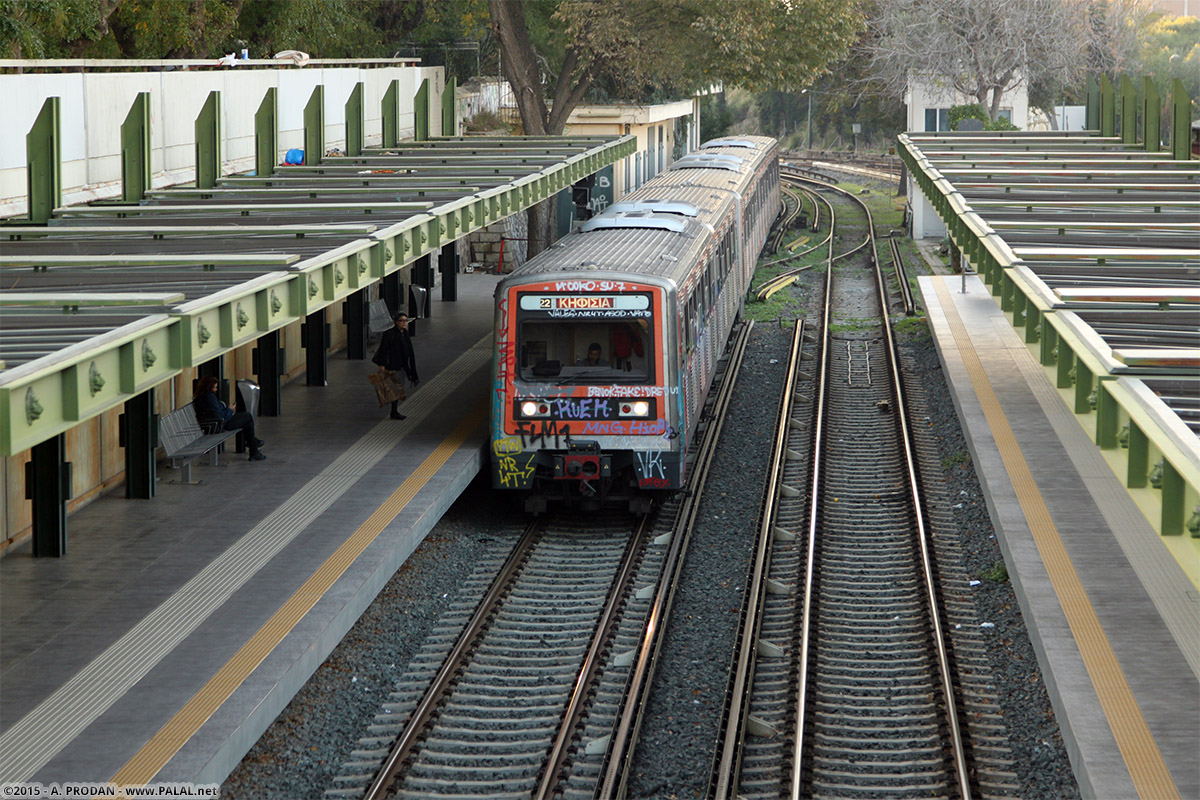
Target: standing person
210	410
396	353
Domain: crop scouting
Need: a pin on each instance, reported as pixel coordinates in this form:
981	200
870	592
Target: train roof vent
730	143
656	206
708	161
611	220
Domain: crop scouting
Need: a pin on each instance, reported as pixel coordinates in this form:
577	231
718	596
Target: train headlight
533	409
635	408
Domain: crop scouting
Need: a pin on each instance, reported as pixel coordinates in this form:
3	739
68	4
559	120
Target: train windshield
576	340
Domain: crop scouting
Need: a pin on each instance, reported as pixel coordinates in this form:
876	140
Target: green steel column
314	129
421	112
1151	115
208	142
1128	111
1064	362
450	108
1007	289
43	154
1106	418
1172	500
1093	103
1049	341
1108	107
48	485
1181	122
1033	323
354	121
266	135
1139	457
135	150
1019	303
1084	381
139	437
391	114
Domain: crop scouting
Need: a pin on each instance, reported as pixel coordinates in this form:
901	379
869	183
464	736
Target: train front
582	409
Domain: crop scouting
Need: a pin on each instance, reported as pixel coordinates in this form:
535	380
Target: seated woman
210	411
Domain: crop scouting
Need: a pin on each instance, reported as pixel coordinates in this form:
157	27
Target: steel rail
961	769
733	735
408	738
560	751
906	294
788	217
822	391
621	747
771	285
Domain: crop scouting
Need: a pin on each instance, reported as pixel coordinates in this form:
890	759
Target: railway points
176	629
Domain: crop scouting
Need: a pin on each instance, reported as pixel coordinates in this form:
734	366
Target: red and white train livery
655	284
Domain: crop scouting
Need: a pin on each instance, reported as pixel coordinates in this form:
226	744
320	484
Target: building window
937	119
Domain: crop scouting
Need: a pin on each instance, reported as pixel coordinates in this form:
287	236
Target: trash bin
248	393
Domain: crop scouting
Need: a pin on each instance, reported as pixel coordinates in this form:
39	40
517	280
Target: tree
554	52
981	48
52	28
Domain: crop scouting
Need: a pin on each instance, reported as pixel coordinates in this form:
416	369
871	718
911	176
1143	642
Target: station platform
1113	616
176	629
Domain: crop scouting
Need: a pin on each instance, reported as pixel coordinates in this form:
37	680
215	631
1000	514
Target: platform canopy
1092	247
110	299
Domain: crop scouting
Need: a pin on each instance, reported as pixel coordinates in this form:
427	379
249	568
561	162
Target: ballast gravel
304	748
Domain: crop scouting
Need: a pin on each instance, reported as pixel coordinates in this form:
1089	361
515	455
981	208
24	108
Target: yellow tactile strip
1143	760
146	763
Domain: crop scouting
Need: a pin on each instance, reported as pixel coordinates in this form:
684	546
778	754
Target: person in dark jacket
211	411
396	353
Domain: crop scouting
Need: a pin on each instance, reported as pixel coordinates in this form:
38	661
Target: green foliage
171	29
997	574
1000	124
1172	50
691	44
955	459
967	111
715	116
50	28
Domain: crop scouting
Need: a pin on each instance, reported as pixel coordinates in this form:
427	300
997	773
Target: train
606	343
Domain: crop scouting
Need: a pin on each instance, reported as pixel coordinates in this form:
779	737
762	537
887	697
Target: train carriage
656	281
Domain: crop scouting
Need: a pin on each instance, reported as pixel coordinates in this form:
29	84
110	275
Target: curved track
873	713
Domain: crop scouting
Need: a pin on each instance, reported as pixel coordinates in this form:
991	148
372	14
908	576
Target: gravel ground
674	752
299	755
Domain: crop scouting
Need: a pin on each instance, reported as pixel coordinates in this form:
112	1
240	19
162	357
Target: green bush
968	111
1000	124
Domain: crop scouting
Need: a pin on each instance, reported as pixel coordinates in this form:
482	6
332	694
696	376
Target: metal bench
183	440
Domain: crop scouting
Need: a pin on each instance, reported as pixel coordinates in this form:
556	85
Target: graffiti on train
651	470
513	467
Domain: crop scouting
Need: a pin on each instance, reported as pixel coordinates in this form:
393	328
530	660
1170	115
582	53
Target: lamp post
810	96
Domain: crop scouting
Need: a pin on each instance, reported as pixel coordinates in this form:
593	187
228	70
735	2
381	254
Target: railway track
845	684
537	689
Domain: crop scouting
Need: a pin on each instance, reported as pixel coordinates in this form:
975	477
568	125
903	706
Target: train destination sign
585	302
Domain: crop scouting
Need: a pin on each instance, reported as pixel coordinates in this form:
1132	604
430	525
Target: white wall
636	120
95	104
921	96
